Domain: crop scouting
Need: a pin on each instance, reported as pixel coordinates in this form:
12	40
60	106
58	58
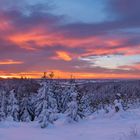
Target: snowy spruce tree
66	93
58	94
2	105
12	107
46	105
25	110
72	111
84	105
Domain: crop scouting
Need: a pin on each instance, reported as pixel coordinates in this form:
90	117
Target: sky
83	38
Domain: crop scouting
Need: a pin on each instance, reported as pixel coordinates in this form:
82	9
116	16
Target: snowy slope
121	126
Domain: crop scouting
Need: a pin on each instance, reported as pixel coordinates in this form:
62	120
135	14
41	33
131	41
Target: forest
44	100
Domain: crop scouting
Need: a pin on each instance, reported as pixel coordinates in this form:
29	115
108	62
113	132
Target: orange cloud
90	44
63	55
10	62
40	36
43	37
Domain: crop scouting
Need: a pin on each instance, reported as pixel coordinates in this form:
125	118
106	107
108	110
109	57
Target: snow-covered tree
72	111
58	94
13	107
46	105
2	105
66	93
118	103
44	116
25	110
84	105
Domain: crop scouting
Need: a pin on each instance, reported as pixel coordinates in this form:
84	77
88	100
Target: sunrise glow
87	42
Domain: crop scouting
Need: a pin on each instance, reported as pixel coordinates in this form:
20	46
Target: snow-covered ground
119	126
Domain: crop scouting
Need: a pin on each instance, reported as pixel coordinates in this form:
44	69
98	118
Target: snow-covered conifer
2	105
72	111
13	107
85	105
25	114
118	103
46	105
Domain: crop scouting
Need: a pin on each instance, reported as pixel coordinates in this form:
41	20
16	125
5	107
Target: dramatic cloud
33	39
